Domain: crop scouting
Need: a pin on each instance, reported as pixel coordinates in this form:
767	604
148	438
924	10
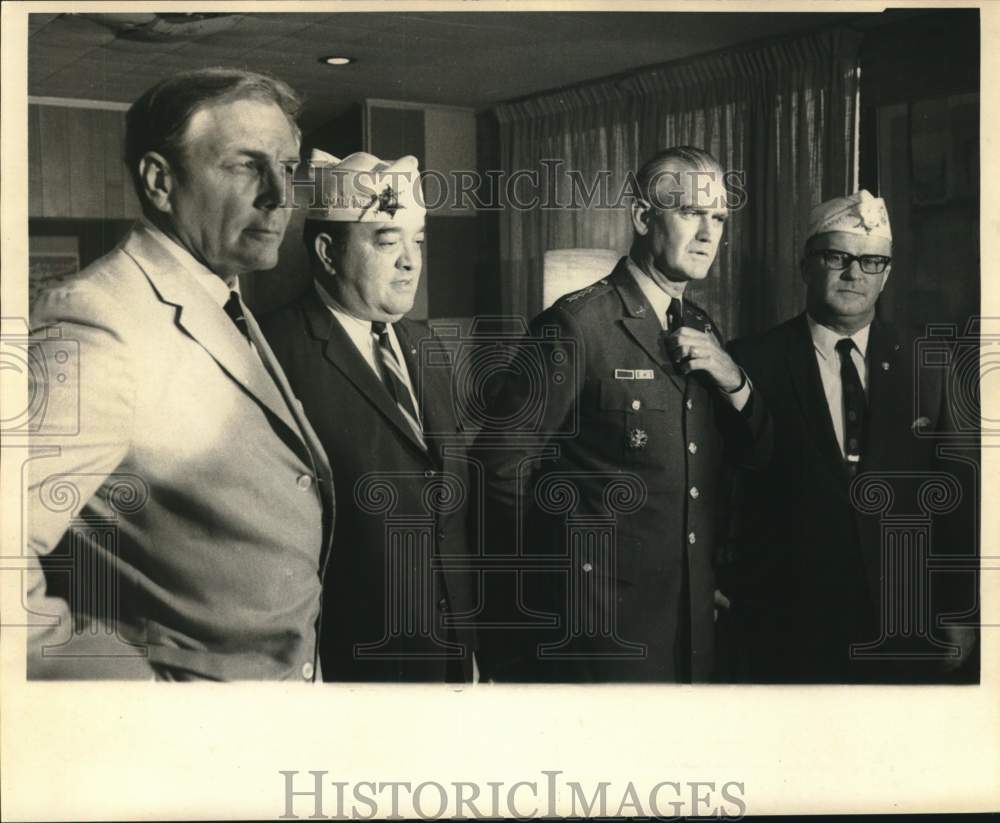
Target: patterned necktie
854	406
234	308
392	378
675	315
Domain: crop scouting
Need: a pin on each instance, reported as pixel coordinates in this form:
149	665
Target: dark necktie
675	315
234	308
854	406
392	378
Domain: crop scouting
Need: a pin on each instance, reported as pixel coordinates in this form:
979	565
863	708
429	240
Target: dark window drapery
783	114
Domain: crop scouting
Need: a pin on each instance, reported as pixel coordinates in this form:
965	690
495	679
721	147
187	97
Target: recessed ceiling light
336	61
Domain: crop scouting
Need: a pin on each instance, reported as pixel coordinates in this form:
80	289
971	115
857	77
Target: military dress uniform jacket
177	495
613	485
397	593
804	566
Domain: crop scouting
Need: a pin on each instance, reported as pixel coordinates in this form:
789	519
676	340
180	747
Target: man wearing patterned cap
392	602
805	572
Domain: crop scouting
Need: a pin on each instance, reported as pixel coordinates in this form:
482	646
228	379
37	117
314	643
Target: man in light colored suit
177	474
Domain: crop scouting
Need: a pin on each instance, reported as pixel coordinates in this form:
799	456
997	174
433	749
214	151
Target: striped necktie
392	378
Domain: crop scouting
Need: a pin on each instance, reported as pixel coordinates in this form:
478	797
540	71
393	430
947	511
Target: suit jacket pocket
633	396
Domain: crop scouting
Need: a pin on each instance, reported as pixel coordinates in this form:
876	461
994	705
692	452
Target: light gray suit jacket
175	472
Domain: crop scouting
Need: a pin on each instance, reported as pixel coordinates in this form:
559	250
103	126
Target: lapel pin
640	309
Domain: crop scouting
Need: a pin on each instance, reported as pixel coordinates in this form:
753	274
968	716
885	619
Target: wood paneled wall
75	166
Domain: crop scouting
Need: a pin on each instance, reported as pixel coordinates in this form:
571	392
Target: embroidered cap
858	213
363	189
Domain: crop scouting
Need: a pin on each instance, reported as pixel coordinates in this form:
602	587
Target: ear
323	249
157	180
642	214
885	277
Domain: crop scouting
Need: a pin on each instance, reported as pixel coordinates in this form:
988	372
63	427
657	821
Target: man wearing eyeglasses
805	570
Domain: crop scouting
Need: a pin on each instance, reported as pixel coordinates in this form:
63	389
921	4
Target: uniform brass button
304	481
692	538
852	416
636	405
693	447
588	567
689	403
307	671
694	492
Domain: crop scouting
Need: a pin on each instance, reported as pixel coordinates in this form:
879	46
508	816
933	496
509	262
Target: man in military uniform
607	508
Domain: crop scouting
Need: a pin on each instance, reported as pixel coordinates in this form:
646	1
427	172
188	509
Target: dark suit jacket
388	616
203	500
611	489
805	565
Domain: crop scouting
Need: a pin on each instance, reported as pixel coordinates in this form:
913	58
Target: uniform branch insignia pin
637	439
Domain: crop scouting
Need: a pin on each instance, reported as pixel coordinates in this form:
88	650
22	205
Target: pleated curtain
782	115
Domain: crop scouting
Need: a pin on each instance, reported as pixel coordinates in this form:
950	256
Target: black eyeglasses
840	260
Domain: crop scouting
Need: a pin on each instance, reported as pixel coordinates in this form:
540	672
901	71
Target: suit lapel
207	323
641	323
886	389
340	351
808	389
432	387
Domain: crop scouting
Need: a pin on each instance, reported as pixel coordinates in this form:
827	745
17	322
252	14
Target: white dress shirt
360	332
209	280
660	301
828	360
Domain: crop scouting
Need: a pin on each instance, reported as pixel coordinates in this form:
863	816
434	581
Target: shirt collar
657	297
825	339
209	280
347	319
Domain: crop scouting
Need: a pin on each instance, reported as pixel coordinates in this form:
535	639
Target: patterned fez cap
363	189
858	213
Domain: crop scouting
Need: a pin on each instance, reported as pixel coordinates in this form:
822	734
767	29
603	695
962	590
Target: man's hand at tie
692	350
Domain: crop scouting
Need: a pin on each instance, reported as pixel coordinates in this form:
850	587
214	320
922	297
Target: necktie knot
379	328
675	315
234	308
845	346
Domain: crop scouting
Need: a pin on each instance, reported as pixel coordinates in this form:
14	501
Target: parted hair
158	120
688	156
